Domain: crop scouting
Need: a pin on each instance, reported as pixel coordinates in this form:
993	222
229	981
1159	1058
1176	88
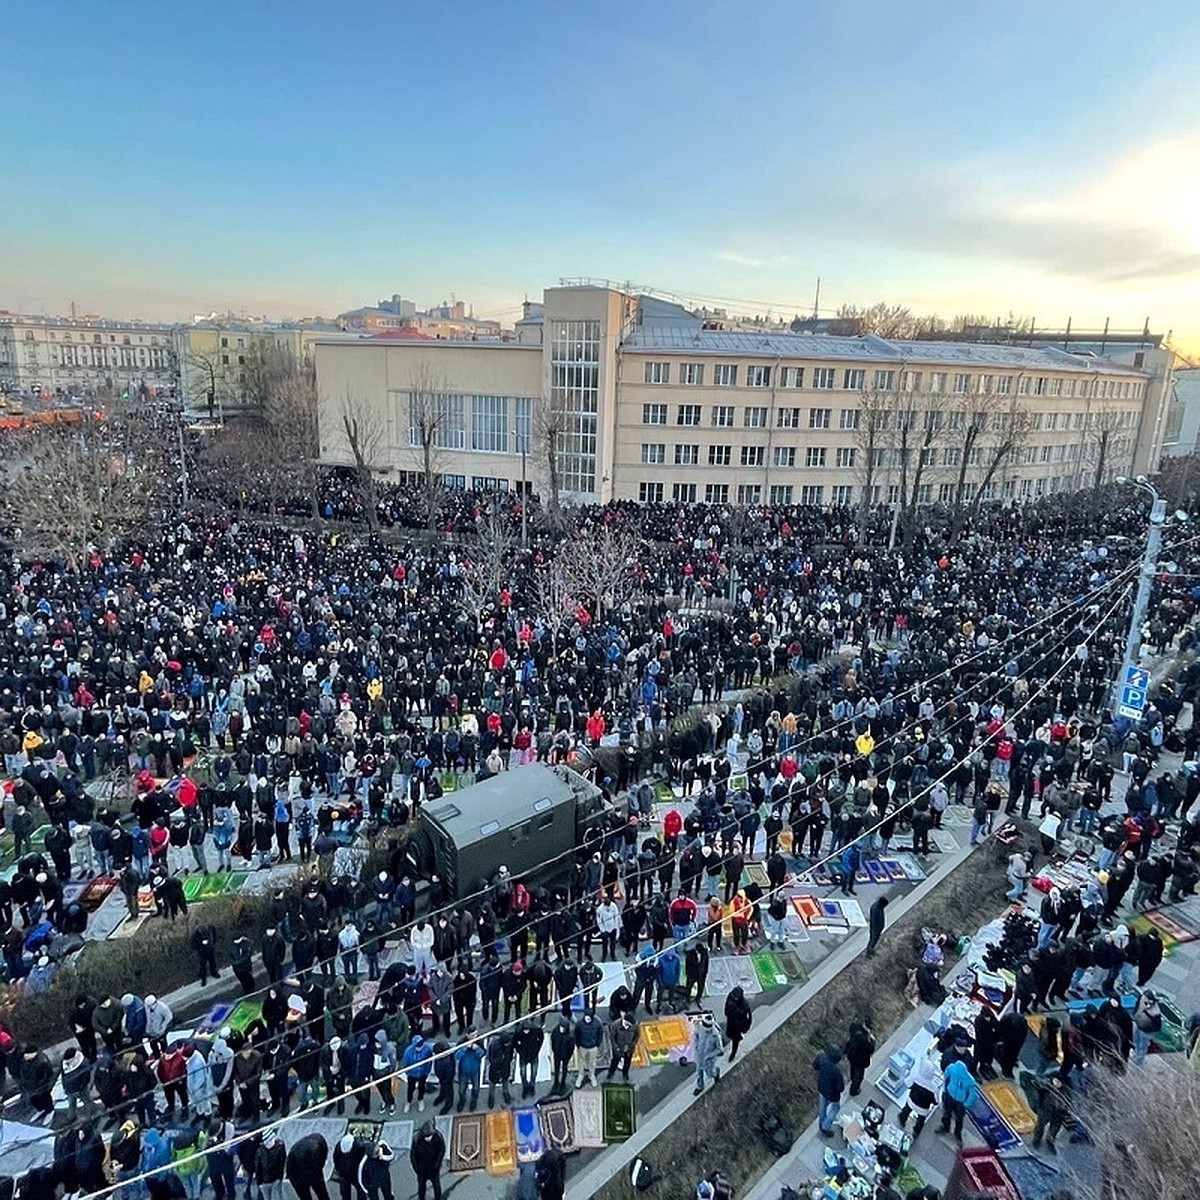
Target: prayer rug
992	1126
367	1130
909	1180
958	816
218	1015
791	966
895	872
862	875
1033	1178
588	1111
912	870
1169	927
1007	1100
821	875
831	916
97	892
445	1126
756	873
620	1112
530	1142
558	1125
944	841
365	996
129	926
1141	925
794	928
501	1143
667	1033
767	969
244	1015
877	871
808	908
466	1143
664	792
399	1135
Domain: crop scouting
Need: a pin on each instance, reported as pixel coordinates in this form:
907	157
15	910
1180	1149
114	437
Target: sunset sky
295	158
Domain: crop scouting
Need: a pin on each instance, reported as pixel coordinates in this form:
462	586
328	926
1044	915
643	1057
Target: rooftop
691	339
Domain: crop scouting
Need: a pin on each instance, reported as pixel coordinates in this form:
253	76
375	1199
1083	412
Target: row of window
688	455
841	495
126	340
496	423
855	379
724	416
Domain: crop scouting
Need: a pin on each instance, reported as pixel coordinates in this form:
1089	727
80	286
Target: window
1004	385
814	456
849	419
749	493
841	494
893	493
436	417
489	423
716	493
683	493
928	456
912	381
456	482
722	416
691	374
224	360
654	414
658	372
819	418
725	375
654	453
945	493
758	377
650	493
687	455
812	494
793	377
823	378
1023	385
951	456
846	456
987	384
1056	387
687	414
224	343
925	493
785	456
854	379
885	381
575	394
937	381
486	483
787	418
752	456
973	457
755	417
1052	421
962	383
1039	385
1045	453
523	420
719	456
781	493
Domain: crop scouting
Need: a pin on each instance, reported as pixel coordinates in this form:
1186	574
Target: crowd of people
225	692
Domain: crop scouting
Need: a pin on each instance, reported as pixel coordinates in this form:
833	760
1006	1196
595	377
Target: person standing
426	1155
738	1019
709	1045
376	1173
959	1094
830	1085
875	924
860	1046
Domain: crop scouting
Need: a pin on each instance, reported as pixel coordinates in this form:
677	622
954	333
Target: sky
292	158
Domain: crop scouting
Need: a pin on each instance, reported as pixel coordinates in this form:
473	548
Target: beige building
85	356
648	404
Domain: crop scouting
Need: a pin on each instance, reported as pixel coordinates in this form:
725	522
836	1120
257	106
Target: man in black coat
306	1167
427	1153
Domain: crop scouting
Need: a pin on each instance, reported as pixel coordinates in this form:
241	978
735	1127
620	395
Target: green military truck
535	821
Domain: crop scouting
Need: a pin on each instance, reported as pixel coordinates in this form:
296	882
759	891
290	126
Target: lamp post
520	440
1158	518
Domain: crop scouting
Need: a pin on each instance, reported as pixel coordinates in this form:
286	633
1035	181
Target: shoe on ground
697	1091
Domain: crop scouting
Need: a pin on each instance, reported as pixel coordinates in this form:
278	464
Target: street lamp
520	440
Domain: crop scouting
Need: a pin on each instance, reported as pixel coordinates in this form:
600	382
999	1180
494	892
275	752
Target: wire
314	1109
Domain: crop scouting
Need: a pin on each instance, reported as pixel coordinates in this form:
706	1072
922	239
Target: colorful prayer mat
664	792
895	872
218	1015
877	871
587	1107
667	1033
1169	927
807	907
767	969
97	892
992	1126
558	1125
365	1129
1008	1101
620	1112
500	1141
245	1014
789	963
466	1143
530	1143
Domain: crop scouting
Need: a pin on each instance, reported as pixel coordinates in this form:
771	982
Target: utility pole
1133	640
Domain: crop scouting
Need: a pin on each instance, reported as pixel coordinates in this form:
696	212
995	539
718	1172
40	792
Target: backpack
776	1134
642	1175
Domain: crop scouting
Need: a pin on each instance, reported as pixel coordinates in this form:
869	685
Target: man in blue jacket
959	1094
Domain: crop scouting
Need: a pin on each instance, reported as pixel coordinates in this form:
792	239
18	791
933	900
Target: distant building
1182	426
648	402
86	356
448	320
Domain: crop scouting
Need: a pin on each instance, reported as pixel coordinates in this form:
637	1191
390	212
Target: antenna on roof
817	299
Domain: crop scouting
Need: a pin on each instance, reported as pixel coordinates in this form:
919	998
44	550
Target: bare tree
871	442
603	564
485	566
916	435
1008	434
69	487
1100	433
554	595
365	428
209	383
549	428
431	430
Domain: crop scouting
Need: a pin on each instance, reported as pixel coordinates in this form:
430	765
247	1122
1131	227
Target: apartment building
646	403
85	356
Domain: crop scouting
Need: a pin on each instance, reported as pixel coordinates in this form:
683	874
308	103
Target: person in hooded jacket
306	1167
348	1157
830	1084
426	1155
376	1172
860	1046
738	1019
417	1064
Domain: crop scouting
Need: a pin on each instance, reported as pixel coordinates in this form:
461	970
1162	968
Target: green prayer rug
620	1112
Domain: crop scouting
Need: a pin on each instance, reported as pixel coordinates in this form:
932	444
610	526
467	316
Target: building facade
644	402
86	356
